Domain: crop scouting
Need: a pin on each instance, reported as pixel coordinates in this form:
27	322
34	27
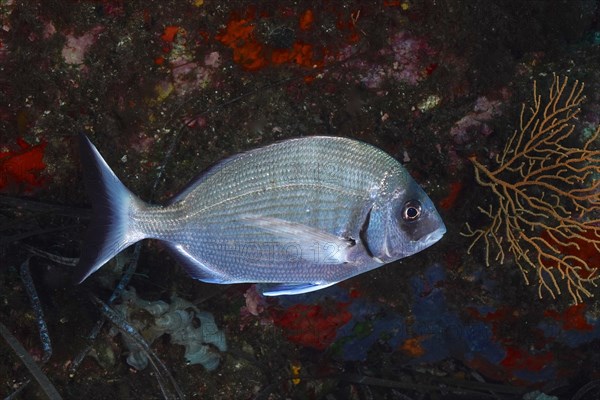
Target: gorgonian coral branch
546	192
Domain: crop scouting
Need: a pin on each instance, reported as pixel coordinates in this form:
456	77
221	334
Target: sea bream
299	215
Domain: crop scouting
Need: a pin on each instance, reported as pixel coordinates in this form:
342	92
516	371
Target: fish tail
111	229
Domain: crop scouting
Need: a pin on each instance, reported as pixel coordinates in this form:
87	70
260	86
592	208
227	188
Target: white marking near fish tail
291	288
110	230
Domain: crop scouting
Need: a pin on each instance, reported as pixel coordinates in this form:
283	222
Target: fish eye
411	210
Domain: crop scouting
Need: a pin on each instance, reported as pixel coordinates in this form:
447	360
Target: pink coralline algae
187	73
75	47
409	60
213	60
256	310
255	302
412	58
475	122
3	51
49	30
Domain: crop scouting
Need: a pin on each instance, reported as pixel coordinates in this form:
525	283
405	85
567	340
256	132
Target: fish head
404	223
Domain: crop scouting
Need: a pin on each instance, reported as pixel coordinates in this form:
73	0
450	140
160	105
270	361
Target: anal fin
195	268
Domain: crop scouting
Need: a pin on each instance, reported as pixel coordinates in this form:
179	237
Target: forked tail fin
110	230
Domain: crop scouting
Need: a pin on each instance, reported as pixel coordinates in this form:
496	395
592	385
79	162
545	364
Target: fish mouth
433	237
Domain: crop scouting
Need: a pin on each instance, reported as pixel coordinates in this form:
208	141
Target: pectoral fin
329	248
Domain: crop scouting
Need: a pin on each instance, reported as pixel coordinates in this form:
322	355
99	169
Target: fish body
301	214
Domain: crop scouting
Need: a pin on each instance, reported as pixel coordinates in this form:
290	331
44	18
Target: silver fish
301	214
